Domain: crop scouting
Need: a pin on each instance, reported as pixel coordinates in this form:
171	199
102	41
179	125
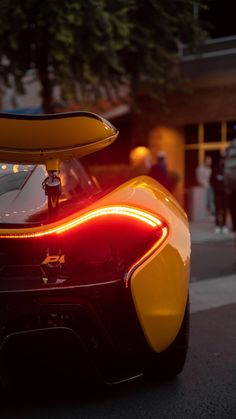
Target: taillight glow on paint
146	255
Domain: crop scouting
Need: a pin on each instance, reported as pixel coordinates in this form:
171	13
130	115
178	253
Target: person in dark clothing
159	171
217	182
230	181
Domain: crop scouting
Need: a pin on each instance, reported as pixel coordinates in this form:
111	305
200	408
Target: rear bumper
89	331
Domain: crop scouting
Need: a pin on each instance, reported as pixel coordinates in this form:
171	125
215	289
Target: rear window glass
27	202
12	181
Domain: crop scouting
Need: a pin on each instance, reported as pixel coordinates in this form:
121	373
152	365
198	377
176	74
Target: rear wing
30	139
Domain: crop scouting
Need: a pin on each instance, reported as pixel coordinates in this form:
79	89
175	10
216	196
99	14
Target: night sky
222	18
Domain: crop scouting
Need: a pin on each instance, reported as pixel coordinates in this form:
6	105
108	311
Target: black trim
102	311
51	116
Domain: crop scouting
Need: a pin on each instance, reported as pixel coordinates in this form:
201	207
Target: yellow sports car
92	283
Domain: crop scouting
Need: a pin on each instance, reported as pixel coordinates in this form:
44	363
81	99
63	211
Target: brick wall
204	104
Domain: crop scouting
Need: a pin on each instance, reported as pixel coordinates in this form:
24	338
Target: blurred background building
202	120
198	119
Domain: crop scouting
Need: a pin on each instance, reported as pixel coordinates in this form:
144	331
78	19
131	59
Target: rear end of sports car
100	292
94	284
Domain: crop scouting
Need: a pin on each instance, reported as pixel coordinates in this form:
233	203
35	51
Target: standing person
203	176
220	197
159	170
230	181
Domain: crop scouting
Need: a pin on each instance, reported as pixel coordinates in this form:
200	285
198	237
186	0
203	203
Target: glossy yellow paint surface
60	136
160	289
159	286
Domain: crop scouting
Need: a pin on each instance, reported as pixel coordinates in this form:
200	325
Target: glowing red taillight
100	245
69	224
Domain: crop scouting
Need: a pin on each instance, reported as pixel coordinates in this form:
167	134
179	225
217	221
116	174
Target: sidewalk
212	293
204	231
215	292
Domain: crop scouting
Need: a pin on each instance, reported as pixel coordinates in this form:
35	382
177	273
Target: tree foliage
91	47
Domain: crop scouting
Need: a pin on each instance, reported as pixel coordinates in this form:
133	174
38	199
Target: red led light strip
146	255
138	214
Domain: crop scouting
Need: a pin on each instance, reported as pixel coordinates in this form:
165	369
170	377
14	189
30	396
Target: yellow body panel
160	290
159	286
36	139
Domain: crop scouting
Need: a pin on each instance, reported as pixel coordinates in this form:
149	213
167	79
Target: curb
212	293
212	239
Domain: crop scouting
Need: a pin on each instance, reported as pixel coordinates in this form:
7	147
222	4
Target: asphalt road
212	260
205	389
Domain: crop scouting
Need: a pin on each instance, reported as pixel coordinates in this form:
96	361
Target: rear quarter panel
159	286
